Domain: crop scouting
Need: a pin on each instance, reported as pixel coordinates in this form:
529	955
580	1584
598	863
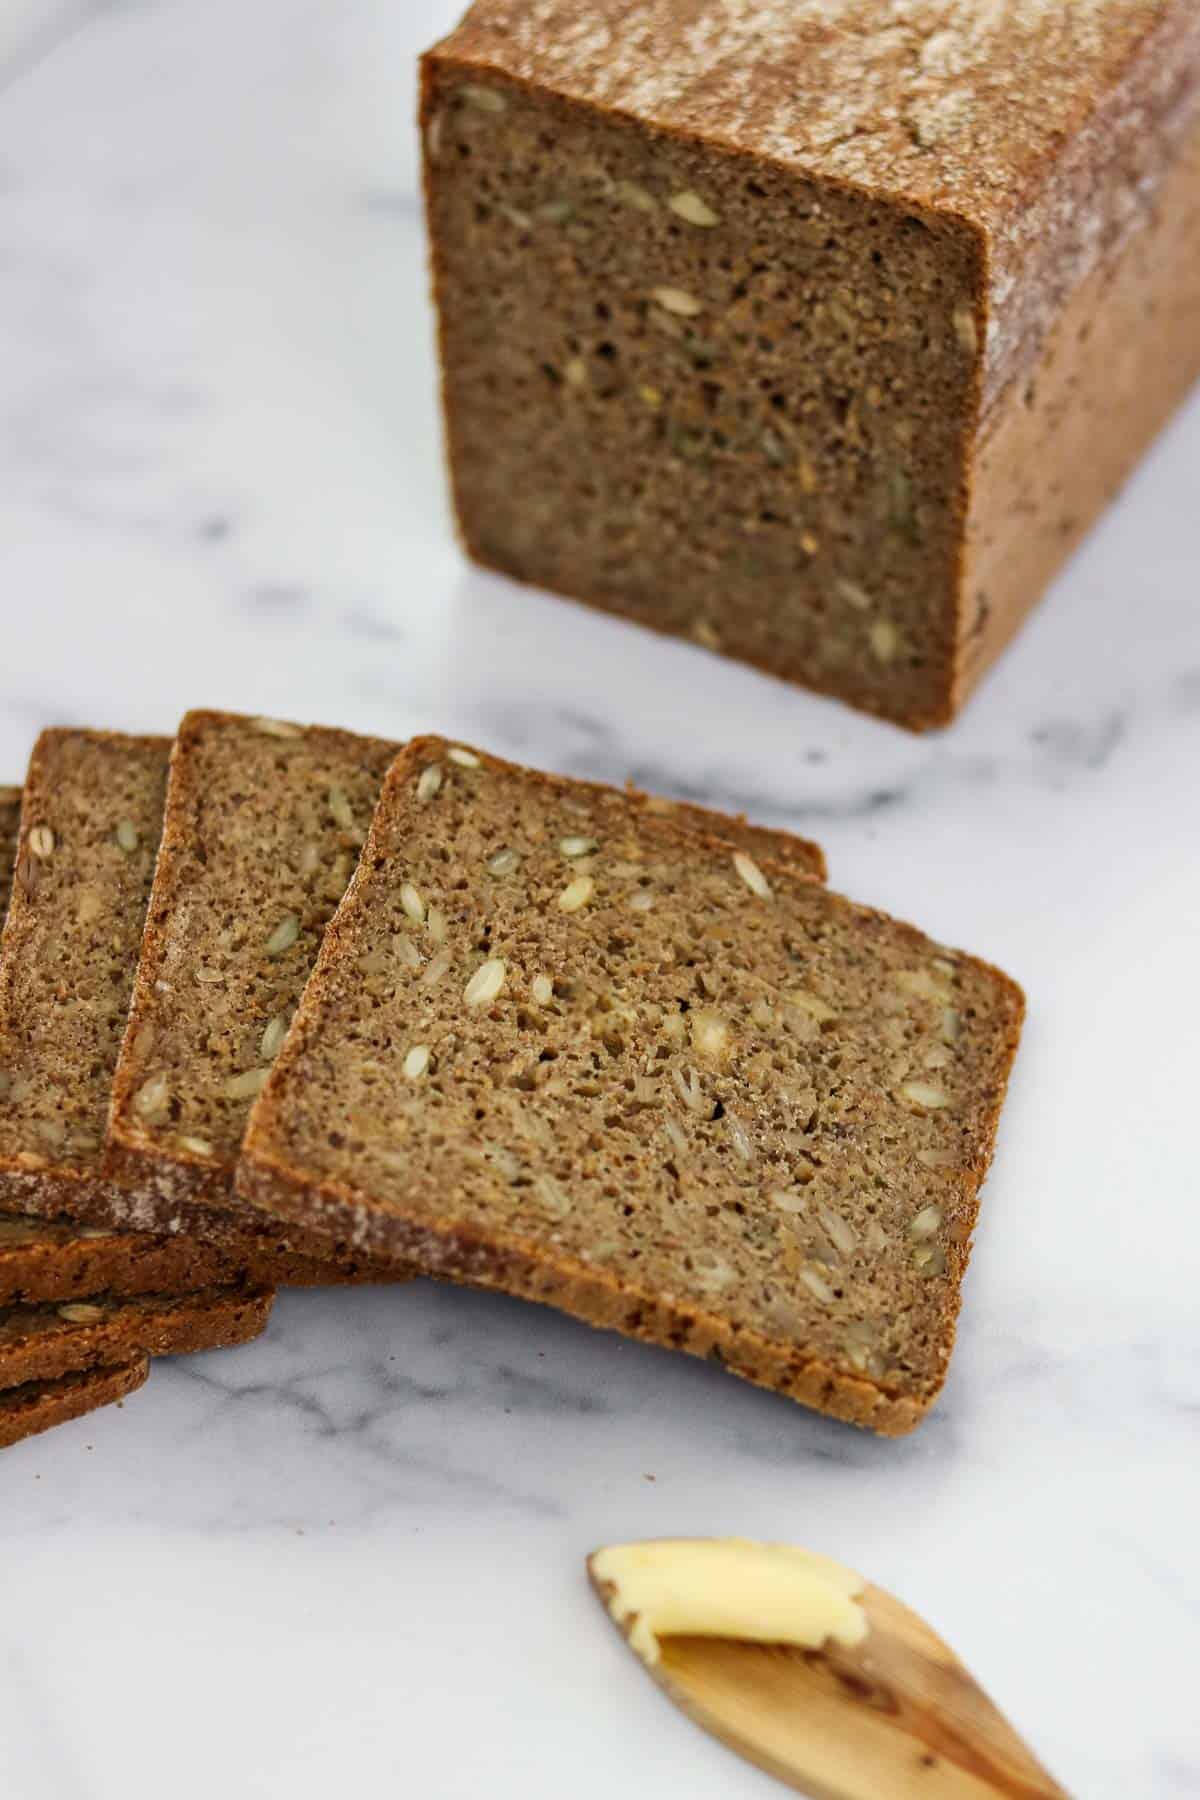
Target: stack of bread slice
283	1005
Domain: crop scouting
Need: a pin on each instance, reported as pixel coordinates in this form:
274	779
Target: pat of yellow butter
728	1588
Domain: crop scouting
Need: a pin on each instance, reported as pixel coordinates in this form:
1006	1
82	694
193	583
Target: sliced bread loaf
92	820
264	822
40	1405
42	1343
557	1046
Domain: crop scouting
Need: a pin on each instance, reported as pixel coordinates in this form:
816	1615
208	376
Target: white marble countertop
348	1559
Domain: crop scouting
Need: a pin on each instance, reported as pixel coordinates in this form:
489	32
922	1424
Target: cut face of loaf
556	1046
802	330
92	820
40	1405
44	1343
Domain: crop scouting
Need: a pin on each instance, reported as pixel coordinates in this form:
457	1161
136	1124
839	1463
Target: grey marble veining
350	1556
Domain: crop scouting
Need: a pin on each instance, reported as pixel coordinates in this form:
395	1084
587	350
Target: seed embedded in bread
46	1342
246	800
670	1125
73	971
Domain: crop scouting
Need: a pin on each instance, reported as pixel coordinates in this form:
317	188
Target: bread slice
89	831
646	1079
264	821
40	1405
93	817
42	1343
60	1259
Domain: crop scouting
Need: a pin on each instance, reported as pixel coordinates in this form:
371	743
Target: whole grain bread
797	853
555	1045
264	822
802	328
40	1405
92	821
43	1343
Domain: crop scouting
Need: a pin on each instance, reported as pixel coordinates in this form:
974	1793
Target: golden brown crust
39	1406
501	1256
44	1343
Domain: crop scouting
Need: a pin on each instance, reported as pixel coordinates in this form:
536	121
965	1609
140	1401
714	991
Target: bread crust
59	1259
45	1343
39	1406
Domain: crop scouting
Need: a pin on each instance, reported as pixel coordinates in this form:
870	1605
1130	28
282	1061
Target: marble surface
349	1557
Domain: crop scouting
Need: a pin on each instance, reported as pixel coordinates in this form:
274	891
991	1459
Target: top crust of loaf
1046	127
555	1045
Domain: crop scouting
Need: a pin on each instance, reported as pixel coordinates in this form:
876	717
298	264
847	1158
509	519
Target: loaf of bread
40	1405
44	1343
817	331
555	1045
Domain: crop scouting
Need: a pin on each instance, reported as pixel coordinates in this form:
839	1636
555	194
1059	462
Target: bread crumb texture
93	812
965	107
647	1078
